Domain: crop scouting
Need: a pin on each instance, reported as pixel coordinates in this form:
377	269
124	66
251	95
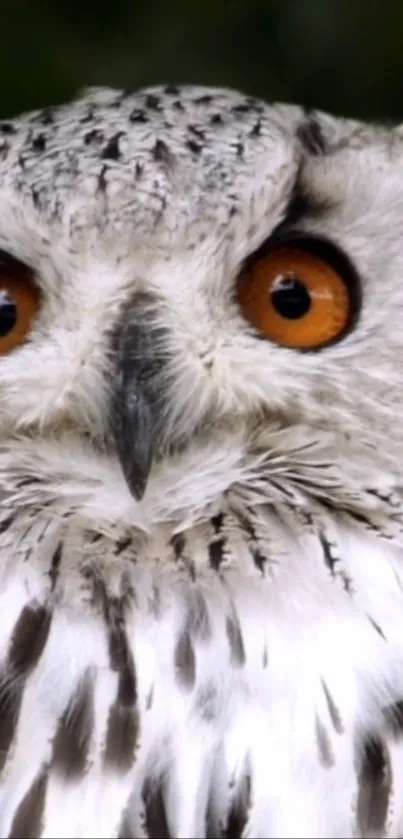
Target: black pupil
8	313
290	297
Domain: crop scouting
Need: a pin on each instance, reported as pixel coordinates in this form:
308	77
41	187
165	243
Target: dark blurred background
345	56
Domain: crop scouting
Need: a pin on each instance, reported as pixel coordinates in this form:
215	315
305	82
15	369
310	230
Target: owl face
182	264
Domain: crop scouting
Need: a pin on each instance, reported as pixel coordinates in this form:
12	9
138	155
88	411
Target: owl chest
248	659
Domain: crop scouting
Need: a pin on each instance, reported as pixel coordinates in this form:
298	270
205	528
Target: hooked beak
139	396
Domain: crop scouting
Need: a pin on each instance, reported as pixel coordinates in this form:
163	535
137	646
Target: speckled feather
223	655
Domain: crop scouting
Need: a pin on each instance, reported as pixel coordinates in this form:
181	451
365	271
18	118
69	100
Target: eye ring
318	292
19	302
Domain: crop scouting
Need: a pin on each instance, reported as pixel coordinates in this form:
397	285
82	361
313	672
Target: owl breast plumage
201	451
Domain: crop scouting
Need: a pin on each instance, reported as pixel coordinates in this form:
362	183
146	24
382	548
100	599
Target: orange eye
19	303
297	297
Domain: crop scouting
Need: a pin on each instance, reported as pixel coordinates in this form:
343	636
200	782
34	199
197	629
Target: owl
201	470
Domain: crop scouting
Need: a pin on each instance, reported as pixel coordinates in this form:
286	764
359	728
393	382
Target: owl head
191	275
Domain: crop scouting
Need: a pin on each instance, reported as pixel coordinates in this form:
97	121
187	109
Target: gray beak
139	396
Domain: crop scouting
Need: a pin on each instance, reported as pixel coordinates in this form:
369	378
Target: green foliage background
341	55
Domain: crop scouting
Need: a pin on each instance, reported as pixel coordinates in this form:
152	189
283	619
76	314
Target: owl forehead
160	159
163	168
